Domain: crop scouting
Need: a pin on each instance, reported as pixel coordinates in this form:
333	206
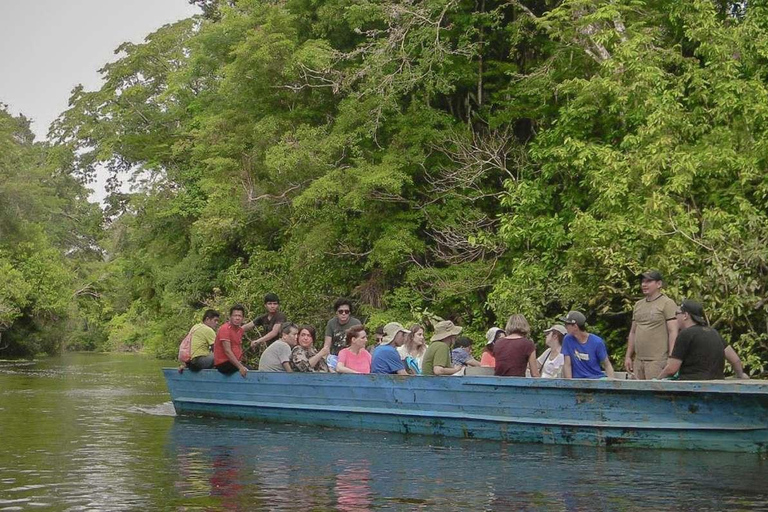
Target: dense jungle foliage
452	158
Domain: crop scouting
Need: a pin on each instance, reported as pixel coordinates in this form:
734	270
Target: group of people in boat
666	340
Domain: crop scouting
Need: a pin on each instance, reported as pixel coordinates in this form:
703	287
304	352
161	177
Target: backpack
185	348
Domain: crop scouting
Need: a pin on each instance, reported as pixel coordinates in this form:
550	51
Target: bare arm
340	368
269	336
673	366
249	326
609	368
473	362
672	330
631	347
567	373
227	346
733	358
402	372
287	366
533	365
442	370
327	343
317	357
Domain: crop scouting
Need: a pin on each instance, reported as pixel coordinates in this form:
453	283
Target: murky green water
96	432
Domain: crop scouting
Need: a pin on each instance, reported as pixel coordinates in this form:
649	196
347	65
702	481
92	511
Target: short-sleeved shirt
438	354
203	338
651	336
300	360
338	333
274	356
702	352
266	324
235	337
459	357
512	356
360	362
487	360
551	368
386	360
586	357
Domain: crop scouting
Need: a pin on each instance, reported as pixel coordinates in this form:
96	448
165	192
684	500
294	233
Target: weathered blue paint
713	415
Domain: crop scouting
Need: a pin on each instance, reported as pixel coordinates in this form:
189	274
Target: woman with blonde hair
515	351
412	351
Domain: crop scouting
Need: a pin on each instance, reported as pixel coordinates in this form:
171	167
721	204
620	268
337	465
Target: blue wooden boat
711	415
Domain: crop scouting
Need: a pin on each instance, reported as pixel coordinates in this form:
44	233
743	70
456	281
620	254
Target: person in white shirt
551	360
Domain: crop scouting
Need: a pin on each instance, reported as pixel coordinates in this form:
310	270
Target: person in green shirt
437	358
203	336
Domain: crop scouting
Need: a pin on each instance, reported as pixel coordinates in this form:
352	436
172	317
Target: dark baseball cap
653	275
574	317
694	310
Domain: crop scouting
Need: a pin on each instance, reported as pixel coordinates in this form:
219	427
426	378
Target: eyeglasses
343	311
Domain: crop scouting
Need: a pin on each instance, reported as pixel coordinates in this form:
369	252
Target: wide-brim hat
491	334
445	329
390	331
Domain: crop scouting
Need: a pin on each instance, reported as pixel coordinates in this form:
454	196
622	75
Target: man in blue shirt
583	352
386	359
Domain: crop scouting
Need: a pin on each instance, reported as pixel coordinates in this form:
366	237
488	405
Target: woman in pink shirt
354	358
492	335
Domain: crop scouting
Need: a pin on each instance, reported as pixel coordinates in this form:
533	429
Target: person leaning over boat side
654	329
304	356
583	352
700	352
437	358
270	321
551	361
228	348
515	351
487	359
203	338
461	355
385	357
336	328
414	347
277	356
355	358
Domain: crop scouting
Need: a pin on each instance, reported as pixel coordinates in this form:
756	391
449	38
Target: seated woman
515	351
552	360
354	358
487	359
304	356
412	351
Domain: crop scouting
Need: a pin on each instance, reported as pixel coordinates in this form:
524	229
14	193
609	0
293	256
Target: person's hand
628	364
257	342
744	376
243	371
325	351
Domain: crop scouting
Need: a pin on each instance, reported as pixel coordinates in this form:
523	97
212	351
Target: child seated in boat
461	355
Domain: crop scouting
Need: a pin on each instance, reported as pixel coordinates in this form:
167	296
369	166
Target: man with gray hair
277	356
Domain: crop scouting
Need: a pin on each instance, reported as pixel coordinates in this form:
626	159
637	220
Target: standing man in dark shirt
336	329
268	323
700	352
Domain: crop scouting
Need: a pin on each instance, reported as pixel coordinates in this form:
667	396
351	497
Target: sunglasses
343	311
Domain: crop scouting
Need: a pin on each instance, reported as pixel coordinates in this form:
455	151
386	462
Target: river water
97	432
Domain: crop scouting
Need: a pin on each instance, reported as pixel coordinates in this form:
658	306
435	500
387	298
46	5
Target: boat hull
722	415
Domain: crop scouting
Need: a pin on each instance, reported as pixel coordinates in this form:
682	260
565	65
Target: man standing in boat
583	352
268	323
654	329
700	352
228	347
336	329
437	358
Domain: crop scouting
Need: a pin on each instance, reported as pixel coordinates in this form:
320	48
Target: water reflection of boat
713	415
